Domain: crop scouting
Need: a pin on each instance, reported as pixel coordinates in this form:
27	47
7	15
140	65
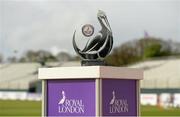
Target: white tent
160	73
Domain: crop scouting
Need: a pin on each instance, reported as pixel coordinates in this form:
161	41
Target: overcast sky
49	24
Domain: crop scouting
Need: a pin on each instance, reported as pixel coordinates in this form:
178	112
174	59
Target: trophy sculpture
98	46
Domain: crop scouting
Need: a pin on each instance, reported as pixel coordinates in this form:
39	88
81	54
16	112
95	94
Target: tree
134	51
152	50
12	59
40	56
1	58
123	55
63	56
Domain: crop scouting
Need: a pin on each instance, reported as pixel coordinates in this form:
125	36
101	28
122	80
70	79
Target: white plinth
98	84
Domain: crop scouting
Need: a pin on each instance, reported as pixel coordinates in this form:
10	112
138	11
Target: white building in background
19	76
161	84
160	74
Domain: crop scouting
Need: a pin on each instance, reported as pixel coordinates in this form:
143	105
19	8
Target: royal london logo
66	105
118	105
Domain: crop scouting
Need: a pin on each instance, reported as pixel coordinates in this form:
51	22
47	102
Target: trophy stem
93	63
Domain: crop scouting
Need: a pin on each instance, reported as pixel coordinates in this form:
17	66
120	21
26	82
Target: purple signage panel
119	97
71	98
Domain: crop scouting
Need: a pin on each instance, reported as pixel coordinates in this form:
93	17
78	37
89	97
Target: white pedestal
90	91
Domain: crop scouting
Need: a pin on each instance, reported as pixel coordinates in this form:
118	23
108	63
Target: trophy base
93	63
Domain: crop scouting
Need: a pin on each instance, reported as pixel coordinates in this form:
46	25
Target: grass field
32	108
156	111
20	108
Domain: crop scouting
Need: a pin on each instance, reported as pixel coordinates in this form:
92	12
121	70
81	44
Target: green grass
158	111
33	108
20	108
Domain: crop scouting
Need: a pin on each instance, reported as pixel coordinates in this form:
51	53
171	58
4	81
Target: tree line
127	53
142	49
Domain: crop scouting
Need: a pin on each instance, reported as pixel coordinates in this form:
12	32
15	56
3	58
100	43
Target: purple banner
119	97
71	98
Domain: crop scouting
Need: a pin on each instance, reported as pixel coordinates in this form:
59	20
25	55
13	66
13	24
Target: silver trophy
97	47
